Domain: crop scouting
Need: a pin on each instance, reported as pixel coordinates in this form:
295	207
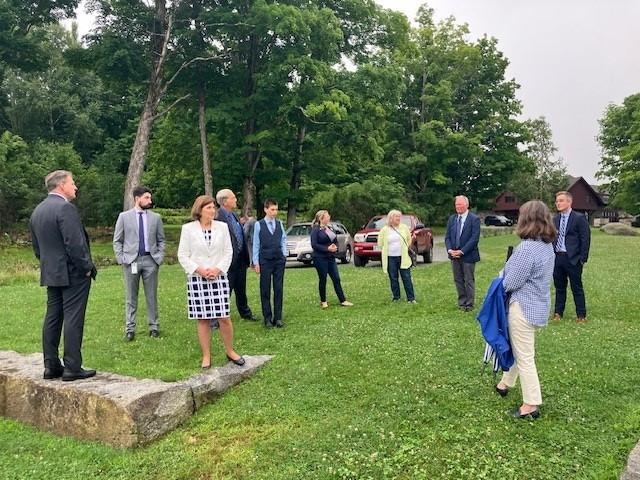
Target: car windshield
299	230
378	223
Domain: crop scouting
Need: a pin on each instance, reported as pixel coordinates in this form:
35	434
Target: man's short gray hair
462	197
222	195
55	178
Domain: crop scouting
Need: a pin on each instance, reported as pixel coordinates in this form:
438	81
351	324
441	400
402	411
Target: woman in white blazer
205	253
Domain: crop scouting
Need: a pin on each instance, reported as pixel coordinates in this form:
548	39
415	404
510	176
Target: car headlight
359	237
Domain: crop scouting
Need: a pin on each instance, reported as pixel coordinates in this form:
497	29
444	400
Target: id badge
134	268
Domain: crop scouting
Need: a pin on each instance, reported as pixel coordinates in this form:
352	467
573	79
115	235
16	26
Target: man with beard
138	242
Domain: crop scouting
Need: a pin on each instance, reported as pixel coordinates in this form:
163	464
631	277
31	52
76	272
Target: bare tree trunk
159	40
206	163
296	175
253	155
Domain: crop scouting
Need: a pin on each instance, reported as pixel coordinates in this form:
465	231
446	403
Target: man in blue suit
572	252
461	240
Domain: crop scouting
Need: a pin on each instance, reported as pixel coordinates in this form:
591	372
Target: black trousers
563	271
271	271
324	266
66	307
237	276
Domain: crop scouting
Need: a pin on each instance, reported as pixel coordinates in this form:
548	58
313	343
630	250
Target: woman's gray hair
393	213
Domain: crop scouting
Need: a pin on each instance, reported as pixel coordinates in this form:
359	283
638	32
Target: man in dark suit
61	244
237	273
461	240
138	243
572	252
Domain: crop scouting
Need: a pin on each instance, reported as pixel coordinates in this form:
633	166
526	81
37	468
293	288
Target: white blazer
193	251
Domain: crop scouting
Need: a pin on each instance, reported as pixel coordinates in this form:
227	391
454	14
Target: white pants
522	338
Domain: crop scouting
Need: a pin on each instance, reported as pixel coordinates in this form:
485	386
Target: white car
299	242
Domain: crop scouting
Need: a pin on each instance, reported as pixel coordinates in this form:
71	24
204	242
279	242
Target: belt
144	254
561	253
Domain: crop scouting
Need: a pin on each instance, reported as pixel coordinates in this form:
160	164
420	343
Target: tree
619	139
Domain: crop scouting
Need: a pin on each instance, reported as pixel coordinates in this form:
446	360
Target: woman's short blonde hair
200	202
535	222
392	213
319	215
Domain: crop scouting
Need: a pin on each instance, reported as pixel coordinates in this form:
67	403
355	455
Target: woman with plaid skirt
205	253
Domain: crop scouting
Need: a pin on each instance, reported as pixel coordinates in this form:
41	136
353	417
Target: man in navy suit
461	240
61	244
237	273
572	252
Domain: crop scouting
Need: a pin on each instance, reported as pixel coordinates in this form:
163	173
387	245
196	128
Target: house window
509	199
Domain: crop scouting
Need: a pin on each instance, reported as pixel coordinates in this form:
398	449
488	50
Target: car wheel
359	261
347	256
428	255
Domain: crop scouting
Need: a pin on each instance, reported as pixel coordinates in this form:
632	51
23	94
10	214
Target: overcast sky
571	57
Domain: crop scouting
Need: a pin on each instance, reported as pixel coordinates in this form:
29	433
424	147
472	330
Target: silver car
299	242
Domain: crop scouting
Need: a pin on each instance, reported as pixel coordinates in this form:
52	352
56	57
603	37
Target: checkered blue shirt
527	276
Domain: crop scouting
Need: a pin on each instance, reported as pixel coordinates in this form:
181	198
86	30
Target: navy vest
270	248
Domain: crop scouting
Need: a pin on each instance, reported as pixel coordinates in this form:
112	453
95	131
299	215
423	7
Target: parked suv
365	241
299	242
498	221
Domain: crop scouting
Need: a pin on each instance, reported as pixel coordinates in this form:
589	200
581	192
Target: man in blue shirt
269	259
461	240
572	252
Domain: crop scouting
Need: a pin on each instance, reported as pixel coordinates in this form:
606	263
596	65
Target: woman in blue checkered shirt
527	279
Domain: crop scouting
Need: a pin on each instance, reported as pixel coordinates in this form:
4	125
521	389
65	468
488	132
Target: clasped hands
208	273
455	253
332	248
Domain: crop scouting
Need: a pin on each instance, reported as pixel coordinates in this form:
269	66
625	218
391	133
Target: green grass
378	391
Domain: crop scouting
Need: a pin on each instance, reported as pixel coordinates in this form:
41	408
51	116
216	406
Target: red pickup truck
365	241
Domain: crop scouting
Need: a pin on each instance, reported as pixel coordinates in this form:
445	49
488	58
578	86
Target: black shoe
502	391
154	333
70	375
279	324
268	325
516	414
53	372
238	361
130	336
250	317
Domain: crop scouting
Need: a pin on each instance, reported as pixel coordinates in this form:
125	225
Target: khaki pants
522	338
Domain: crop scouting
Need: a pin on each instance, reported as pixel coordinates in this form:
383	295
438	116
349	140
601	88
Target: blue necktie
272	227
458	231
562	233
142	249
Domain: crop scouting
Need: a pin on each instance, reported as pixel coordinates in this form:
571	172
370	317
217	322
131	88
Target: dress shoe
581	320
534	414
557	317
502	391
53	372
154	334
70	375
250	317
268	325
205	367
130	336
238	361
468	308
324	305
346	303
412	302
279	324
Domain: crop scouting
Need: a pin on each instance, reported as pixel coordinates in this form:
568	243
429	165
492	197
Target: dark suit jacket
320	242
469	237
577	239
60	242
240	256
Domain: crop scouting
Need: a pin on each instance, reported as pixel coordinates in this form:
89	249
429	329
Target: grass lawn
378	391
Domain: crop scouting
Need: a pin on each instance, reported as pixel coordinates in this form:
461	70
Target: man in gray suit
61	244
138	242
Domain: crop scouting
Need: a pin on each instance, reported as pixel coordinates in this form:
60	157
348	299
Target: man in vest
269	258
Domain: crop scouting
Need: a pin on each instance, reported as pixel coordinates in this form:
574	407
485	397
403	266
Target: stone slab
632	471
115	409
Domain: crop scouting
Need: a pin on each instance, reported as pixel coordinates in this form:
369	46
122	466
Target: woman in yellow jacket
393	241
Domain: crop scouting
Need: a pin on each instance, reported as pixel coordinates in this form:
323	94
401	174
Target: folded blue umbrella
495	327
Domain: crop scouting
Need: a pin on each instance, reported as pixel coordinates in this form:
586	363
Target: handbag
413	255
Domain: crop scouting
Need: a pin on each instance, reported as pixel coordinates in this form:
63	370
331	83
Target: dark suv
366	240
498	221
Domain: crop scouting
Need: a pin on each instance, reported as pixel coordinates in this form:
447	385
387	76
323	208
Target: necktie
272	227
562	232
142	249
458	231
